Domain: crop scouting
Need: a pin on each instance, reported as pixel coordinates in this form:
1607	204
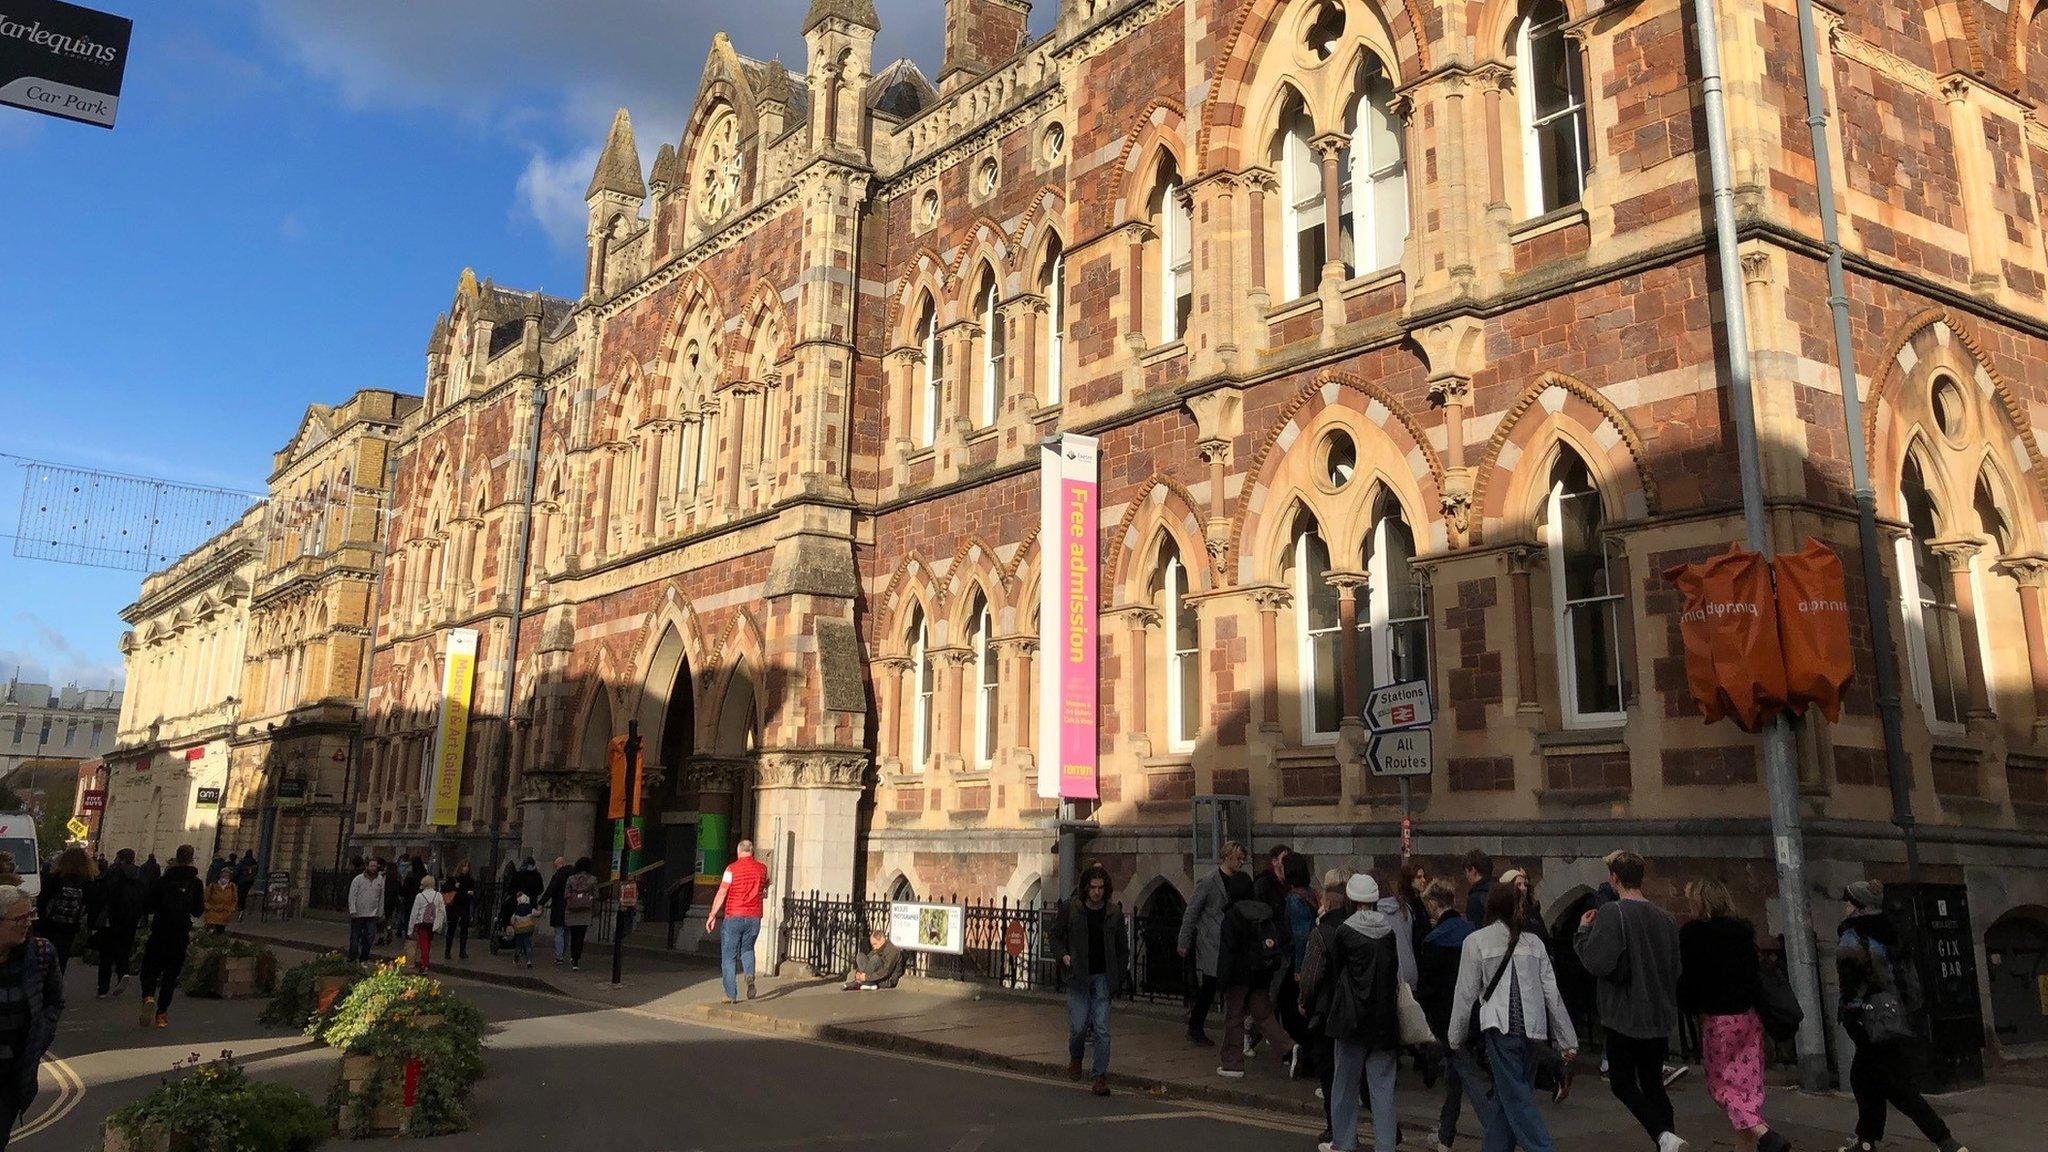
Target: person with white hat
1354	973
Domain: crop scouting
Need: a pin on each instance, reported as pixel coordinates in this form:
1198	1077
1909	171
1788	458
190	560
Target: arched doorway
725	776
2016	948
592	756
671	835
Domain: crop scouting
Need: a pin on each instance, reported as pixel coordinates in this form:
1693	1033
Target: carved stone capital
1957	551
1346	583
813	769
2029	570
896	664
715	773
1141	616
1272	599
1448	390
908	356
559	785
957	657
1522	558
1214	451
1457	506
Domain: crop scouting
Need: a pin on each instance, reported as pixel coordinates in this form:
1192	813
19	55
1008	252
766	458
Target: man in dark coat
34	987
175	898
118	899
1088	934
1479	875
1436	989
557	887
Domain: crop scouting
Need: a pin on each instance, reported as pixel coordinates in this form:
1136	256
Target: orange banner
615	759
1733	661
1813	624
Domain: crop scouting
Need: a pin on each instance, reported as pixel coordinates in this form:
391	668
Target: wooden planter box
238	978
389	1116
150	1139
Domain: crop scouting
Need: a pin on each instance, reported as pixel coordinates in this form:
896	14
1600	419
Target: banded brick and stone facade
1399	327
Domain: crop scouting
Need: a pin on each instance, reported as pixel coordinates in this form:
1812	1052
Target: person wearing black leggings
1868	962
174	900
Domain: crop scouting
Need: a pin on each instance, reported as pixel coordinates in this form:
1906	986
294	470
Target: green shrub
204	975
393	1014
296	1002
215	1107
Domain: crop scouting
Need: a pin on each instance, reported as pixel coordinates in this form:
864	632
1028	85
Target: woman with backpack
60	907
429	913
1353	973
1505	1010
579	908
1879	997
1719	967
1255	949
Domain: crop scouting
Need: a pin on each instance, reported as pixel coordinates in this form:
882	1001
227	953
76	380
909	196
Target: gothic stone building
1397	322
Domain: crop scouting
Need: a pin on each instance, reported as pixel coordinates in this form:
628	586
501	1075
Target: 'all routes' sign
62	60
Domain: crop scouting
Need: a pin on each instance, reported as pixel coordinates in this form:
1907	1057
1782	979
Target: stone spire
860	13
667	169
618	168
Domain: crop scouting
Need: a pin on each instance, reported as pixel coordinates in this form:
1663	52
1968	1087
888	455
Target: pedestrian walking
1299	910
118	900
365	908
429	915
1088	934
522	923
60	906
1505	1009
220	864
1718	967
1316	996
175	898
1478	884
151	870
245	879
1362	1019
31	1002
1436	989
1254	949
223	900
552	898
1880	998
1631	947
1201	933
579	908
740	890
411	870
460	895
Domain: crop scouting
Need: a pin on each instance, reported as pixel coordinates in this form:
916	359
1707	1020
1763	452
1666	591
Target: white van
18	836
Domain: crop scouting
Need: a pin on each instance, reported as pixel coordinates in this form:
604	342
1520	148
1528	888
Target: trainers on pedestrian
162	1020
148	1011
1231	1073
1074	1069
1857	1145
1952	1145
120	982
1293	1061
1672	1142
1101	1086
750	987
1673	1071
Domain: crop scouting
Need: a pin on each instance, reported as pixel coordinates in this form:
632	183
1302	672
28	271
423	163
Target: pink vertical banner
1068	626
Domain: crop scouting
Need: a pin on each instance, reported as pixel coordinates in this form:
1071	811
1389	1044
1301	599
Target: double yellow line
70	1091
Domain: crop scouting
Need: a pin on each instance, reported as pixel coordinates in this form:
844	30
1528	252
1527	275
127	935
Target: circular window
1949	408
928	208
1340	458
990	176
720	167
1055	143
1321	31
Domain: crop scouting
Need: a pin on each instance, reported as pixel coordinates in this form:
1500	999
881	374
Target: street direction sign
1399	753
78	827
1393	707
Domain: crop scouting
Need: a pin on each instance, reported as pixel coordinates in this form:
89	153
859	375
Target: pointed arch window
921	683
1182	639
1055	289
1552	91
1586	598
1934	628
1376	175
1176	256
1316	613
1303	218
1396	646
987	680
928	374
992	346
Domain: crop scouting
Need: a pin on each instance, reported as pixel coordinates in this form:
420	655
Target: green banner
714	844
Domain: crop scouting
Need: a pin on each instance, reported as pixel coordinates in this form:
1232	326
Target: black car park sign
62	60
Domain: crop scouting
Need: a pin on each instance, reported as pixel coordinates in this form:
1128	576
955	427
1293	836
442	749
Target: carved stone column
1139	622
1351	726
1137	234
1982	223
894	669
1957	553
1270	600
950	700
2030	573
1026	317
1521	560
1258	185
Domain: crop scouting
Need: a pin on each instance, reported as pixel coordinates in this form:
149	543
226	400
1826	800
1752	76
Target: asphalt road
568	1075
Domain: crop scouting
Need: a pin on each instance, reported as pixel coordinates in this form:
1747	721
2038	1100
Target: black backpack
66	906
1261	938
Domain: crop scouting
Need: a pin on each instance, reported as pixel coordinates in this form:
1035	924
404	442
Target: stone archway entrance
2016	952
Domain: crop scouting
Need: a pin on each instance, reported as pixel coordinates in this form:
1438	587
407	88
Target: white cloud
551	193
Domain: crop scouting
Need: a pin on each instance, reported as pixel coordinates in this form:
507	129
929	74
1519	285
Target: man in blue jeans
365	907
1088	933
740	891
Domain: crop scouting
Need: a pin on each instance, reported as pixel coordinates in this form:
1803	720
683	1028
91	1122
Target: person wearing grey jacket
1201	933
1631	948
1088	934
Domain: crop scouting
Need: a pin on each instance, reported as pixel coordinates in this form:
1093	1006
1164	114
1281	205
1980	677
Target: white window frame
928	383
1056	328
1305	638
1183	717
1914	603
992	343
1367	174
1301	209
1561	610
987	685
1176	261
1380	621
920	694
1526	32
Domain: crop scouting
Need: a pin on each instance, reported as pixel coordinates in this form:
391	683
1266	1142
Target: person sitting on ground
881	967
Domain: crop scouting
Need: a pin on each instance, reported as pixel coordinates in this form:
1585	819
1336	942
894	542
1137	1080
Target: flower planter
365	1077
150	1139
326	991
238	978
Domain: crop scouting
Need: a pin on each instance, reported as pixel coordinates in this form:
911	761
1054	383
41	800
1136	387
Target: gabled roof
901	90
618	166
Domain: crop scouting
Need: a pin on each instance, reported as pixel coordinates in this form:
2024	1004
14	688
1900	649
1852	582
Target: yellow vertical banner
451	735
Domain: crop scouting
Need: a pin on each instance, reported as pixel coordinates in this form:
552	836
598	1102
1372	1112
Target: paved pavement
965	1026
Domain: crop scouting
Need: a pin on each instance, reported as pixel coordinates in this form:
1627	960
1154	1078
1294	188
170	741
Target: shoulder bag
1493	985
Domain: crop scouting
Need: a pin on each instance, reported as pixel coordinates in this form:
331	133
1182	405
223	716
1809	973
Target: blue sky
292	189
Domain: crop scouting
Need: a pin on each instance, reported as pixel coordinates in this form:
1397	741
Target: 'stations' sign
62	60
